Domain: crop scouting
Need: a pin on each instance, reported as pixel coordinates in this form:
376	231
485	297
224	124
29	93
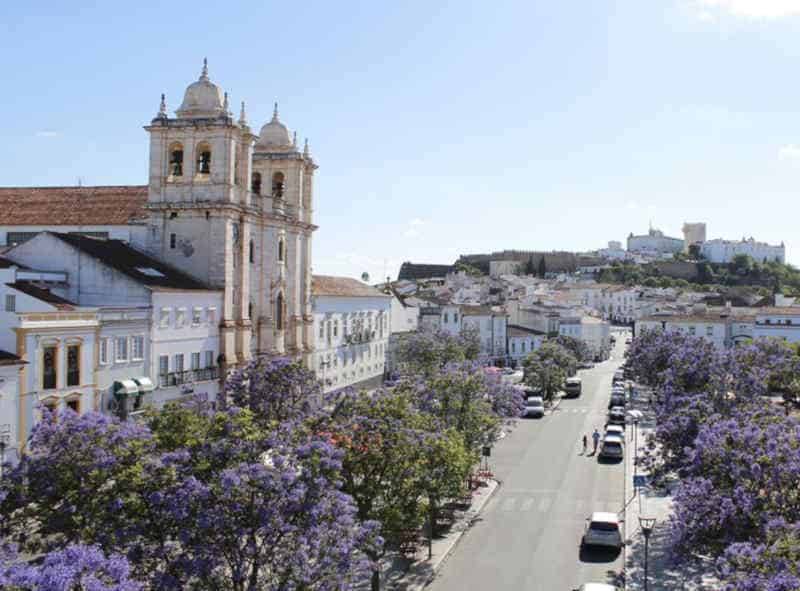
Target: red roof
71	206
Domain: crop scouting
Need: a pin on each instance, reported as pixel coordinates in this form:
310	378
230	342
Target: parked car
596	587
585	365
572	387
618	430
616	416
619	376
534	407
602	529
616	400
612	447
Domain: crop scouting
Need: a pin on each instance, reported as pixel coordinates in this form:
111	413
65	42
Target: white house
490	327
724	327
596	333
781	322
10	373
157	329
654	243
351	325
522	341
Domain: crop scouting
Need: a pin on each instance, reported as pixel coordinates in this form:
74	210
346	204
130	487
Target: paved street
528	536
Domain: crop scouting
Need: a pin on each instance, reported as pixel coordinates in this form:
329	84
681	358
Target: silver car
534	407
602	529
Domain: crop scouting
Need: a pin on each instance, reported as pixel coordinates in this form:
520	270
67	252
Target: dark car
616	400
616	416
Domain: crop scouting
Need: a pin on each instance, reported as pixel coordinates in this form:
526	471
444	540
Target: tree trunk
375	584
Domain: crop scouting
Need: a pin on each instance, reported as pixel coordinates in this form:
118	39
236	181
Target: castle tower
200	211
693	234
282	185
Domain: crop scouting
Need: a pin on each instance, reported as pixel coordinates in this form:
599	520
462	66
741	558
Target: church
230	208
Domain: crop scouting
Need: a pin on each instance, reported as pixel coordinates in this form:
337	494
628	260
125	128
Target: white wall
9	409
339	363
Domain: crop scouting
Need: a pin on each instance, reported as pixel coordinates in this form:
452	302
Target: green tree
530	268
542	267
548	367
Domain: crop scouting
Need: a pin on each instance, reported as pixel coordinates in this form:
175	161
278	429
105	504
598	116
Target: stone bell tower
201	217
282	185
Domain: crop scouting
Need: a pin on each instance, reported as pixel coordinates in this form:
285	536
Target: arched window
277	184
281	249
176	160
256	184
279	312
203	159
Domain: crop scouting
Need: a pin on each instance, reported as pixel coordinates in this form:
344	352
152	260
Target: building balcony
178	378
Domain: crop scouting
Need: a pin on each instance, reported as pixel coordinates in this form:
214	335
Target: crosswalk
554	503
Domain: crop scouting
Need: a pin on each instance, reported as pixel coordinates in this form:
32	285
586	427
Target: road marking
544	504
508	505
526	505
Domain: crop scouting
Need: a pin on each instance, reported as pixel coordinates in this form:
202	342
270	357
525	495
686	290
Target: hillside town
195	395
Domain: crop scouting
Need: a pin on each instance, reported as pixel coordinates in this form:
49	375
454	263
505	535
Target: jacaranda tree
547	367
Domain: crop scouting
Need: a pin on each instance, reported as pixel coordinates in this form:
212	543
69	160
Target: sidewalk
403	575
662	574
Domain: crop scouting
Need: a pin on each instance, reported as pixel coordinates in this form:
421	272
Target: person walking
585	443
595	439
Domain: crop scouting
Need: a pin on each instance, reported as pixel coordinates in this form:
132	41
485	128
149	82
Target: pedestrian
595	439
585	442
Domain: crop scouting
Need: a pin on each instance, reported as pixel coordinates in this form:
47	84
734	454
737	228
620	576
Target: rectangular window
103	351
49	368
11	302
209	355
196	360
177	363
73	365
163	320
321	330
692	330
137	347
173	240
197	315
212	316
513	347
121	349
163	365
335	328
709	331
446	318
180	317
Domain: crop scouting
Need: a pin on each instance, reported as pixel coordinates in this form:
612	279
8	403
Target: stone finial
242	116
162	108
226	105
275	112
306	150
204	73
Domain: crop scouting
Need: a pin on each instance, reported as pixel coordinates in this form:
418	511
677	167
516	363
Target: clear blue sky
440	128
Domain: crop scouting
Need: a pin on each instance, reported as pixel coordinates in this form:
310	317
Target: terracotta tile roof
327	285
514	330
779	311
71	206
43	294
136	265
7	358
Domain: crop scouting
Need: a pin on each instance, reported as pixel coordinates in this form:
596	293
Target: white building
723	251
490	327
156	333
780	322
498	268
522	341
10	373
593	331
352	325
724	327
614	251
654	243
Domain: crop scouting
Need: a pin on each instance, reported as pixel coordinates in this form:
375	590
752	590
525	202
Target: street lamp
646	524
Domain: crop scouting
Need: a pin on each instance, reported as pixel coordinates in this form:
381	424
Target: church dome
203	99
274	134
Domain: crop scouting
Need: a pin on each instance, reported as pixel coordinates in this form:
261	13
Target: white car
602	529
617	430
596	587
534	406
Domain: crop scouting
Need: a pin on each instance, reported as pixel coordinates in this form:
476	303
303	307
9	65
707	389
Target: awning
145	384
126	387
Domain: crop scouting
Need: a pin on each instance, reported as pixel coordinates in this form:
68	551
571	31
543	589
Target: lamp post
636	456
646	524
